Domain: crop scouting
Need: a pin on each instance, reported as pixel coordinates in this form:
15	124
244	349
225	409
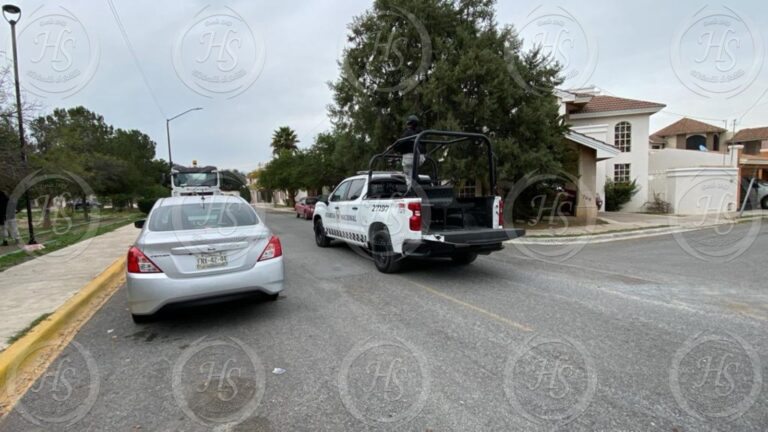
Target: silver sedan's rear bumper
148	292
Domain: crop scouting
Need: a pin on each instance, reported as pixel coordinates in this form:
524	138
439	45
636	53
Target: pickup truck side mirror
139	223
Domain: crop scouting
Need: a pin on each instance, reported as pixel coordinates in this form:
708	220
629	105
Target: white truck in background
194	180
394	218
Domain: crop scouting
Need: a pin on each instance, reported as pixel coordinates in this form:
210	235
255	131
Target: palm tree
284	138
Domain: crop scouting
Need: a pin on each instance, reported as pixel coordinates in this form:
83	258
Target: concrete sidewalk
40	286
616	222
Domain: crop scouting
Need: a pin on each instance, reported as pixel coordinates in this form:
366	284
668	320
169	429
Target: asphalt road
653	334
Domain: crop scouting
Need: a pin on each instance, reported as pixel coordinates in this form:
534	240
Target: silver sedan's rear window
201	216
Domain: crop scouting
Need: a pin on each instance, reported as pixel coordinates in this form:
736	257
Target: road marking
470	306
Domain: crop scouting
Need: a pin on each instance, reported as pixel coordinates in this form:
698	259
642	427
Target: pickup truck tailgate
479	236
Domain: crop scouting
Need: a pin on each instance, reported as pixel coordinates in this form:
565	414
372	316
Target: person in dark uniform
405	147
9	227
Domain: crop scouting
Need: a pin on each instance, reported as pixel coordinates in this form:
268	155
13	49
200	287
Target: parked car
762	193
200	249
305	207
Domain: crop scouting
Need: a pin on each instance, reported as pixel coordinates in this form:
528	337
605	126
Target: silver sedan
195	249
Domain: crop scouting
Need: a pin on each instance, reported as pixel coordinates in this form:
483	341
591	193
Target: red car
305	207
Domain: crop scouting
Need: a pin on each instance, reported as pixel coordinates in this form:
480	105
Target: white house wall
702	191
637	156
693	182
598	132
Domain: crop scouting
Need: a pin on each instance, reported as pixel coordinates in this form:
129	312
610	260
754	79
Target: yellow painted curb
55	330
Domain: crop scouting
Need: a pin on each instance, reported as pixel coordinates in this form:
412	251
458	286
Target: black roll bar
430	136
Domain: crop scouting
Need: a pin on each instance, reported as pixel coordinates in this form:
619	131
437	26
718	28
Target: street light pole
15	10
168	131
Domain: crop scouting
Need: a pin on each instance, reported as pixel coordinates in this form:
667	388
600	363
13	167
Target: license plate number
211	260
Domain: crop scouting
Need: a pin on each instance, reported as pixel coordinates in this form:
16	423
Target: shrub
145	204
658	205
151	195
617	194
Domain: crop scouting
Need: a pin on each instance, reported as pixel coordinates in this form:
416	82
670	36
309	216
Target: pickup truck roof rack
440	139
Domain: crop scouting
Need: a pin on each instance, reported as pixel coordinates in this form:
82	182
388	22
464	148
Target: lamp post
12	14
168	131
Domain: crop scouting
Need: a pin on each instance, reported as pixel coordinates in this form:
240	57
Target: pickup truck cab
394	218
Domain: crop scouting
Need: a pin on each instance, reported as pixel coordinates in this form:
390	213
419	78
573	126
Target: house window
716	143
467	190
696	142
622	137
752	148
621	173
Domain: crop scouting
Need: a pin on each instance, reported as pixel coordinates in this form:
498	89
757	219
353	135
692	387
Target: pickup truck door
352	212
332	217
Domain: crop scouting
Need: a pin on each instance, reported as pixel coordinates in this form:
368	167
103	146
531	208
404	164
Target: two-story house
753	152
623	123
689	134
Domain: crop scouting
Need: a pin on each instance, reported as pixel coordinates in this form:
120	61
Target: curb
18	357
276	209
623	235
600	238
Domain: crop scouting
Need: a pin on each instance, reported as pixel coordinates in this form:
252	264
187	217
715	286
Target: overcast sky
139	62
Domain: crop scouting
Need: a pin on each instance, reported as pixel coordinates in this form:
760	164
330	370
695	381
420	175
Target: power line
135	57
666	111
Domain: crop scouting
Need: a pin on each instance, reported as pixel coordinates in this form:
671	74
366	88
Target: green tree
467	84
116	164
284	138
283	173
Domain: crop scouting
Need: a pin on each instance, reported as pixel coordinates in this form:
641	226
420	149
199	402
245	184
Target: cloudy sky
255	65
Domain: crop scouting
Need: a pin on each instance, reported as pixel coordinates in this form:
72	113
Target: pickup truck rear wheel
385	259
464	258
321	239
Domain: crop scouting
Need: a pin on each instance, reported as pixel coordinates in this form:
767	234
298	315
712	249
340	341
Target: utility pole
12	14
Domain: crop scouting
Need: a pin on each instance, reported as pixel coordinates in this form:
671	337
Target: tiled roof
655	139
688	126
612	103
753	134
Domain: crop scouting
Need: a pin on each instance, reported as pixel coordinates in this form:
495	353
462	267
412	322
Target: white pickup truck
394	218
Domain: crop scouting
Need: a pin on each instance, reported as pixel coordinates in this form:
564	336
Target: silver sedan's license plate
211	260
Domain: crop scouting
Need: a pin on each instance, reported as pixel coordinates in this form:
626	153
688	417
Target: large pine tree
450	63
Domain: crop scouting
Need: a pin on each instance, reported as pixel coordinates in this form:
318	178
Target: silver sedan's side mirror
139	223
